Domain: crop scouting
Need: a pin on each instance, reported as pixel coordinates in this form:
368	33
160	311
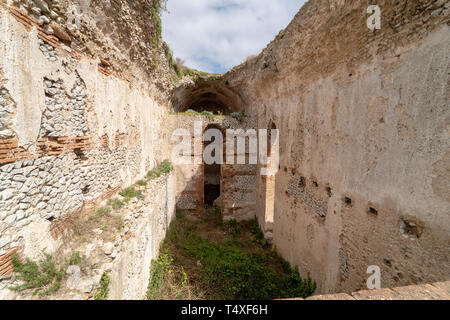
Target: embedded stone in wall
65	114
42	13
48	50
47	188
299	190
245	182
7	114
186	202
240	198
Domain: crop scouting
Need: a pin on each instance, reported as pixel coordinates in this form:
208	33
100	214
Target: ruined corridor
358	175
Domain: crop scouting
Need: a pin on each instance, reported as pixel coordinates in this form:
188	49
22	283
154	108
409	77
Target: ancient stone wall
364	140
130	270
122	34
72	134
237	181
363	116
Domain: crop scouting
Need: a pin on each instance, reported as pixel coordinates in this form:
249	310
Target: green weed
130	193
142	183
163	168
158	271
100	212
75	259
243	275
242	266
103	292
115	204
44	277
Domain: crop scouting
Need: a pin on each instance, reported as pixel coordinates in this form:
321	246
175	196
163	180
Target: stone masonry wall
237	199
131	267
121	33
71	135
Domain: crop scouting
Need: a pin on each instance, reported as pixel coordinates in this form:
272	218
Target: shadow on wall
210	95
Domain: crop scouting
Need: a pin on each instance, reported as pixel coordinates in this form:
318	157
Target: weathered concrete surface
131	269
74	135
364	139
364	123
237	181
435	291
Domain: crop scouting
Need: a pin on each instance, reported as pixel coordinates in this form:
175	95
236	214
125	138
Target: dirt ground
243	235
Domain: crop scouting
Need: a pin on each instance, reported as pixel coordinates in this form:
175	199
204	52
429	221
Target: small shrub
155	58
100	212
177	69
130	193
258	234
163	168
295	286
44	277
281	34
233	228
153	174
256	230
158	271
157	26
213	213
189	72
103	292
116	204
142	183
166	280
208	114
119	222
75	258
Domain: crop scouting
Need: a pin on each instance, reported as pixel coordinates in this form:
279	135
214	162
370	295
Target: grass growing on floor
44	277
103	292
228	260
168	282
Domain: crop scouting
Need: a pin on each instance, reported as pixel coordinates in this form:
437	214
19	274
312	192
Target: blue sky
215	35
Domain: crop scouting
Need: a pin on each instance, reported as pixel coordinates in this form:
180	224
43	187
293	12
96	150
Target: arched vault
206	95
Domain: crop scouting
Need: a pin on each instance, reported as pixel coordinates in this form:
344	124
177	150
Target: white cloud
215	35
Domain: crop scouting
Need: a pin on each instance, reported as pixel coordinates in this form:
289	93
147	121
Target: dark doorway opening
212	193
212	176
